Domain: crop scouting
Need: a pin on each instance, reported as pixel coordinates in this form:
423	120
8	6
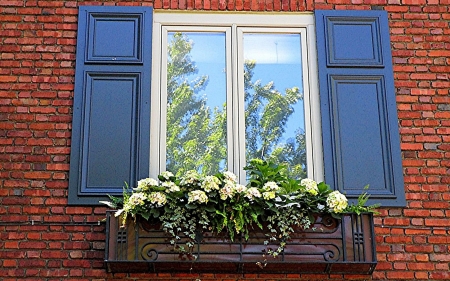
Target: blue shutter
359	116
111	111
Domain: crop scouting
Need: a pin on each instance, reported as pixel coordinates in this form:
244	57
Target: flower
191	177
157	198
170	186
146	184
268	186
137	199
230	176
227	191
197	196
268	195
210	183
252	193
166	175
310	186
336	202
239	188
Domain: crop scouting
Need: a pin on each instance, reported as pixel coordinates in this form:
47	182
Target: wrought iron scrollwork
149	254
329	221
331	256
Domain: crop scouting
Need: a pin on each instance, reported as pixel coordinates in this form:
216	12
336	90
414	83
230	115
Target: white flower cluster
230	176
229	188
337	202
197	196
271	186
166	175
310	186
269	190
157	198
252	193
170	186
240	188
145	184
191	177
210	183
137	199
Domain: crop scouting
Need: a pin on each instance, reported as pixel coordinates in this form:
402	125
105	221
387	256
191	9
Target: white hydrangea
230	176
190	177
228	190
337	202
157	198
137	199
268	195
166	175
271	186
240	188
145	184
170	186
252	193
197	196
310	186
210	183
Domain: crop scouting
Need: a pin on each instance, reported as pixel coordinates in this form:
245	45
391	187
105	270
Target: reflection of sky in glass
278	59
208	53
277	56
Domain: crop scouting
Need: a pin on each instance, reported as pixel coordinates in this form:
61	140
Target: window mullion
230	77
239	113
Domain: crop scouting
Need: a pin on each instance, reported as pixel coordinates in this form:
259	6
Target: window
121	129
225	91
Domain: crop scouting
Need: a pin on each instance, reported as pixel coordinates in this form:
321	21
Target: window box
345	246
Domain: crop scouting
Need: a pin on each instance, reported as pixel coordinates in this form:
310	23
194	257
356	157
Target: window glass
274	112
196	102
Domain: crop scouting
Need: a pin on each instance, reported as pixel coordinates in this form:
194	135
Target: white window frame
234	22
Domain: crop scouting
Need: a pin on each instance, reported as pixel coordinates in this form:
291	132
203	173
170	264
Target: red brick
437	222
32	263
32	245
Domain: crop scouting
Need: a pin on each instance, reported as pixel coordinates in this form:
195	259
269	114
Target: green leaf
190	206
210	208
146	216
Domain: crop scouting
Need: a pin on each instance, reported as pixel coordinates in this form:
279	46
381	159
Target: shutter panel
111	112
359	115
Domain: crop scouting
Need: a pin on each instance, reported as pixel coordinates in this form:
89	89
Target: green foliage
360	206
272	201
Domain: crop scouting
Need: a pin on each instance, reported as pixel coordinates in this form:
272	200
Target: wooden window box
344	246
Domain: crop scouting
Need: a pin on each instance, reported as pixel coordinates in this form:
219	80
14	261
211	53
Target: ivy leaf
210	208
190	206
145	215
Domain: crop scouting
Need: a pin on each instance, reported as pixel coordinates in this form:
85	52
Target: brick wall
41	238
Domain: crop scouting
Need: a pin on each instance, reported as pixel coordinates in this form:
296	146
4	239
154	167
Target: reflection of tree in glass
267	112
196	134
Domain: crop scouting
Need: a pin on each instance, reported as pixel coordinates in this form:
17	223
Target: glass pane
196	103
274	112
